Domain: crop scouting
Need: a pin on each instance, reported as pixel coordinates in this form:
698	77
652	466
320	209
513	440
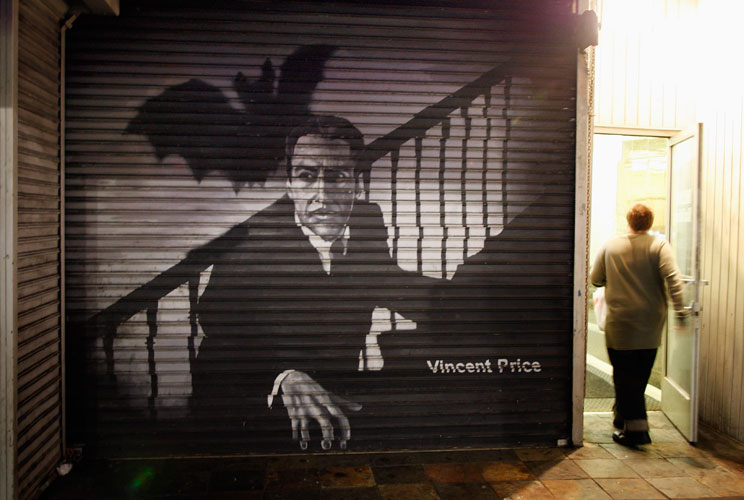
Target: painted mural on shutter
313	226
39	441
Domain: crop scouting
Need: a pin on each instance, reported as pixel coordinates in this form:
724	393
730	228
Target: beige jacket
636	269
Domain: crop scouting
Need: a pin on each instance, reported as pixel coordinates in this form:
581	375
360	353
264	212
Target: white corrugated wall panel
646	86
722	341
644	78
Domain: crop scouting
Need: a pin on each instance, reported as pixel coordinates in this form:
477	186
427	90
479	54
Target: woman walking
638	272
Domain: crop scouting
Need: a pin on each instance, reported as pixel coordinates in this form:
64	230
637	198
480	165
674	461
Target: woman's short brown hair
640	217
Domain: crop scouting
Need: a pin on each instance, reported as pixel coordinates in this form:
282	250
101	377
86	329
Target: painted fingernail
342	444
326	444
303	445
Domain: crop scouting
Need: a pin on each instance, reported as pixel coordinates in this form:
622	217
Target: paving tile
623	452
723	483
453	457
352	494
666	435
292	479
534	454
385	459
242	463
506	471
598	420
509	455
445	457
722	449
697	467
339	460
467	456
406	458
588	451
420	491
471	491
87	480
291	494
596	416
653	467
606	468
563	469
436	457
522	490
669	450
290	462
629	489
229	495
236	480
669	465
125	479
187	479
657	420
582	489
454	473
734	465
681	487
346	477
599	436
400	474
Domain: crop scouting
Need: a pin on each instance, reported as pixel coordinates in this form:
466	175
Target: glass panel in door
679	385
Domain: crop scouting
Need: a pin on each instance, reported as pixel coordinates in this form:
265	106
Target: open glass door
679	383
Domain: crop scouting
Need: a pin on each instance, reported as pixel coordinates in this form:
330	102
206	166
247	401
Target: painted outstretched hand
306	400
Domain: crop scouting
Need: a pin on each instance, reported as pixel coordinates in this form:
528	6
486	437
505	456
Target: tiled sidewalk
667	468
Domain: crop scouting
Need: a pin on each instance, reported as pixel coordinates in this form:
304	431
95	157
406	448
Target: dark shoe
631	438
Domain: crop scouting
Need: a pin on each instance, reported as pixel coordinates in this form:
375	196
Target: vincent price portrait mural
408	287
293	289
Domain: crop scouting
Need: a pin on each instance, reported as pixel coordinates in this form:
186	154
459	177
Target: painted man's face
322	184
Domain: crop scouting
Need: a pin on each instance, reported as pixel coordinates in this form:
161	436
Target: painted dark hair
329	127
640	217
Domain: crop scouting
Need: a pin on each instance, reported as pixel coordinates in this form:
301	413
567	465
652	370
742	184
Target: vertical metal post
67	24
464	179
419	240
442	198
584	128
8	245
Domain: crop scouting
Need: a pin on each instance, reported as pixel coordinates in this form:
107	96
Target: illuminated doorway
626	169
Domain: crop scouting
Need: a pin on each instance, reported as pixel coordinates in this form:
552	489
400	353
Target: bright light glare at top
720	39
694	44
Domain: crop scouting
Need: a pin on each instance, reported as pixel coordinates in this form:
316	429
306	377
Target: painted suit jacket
269	306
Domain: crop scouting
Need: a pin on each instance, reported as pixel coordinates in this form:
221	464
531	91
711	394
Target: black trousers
631	370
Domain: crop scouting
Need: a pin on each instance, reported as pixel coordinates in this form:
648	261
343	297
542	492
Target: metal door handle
694	308
691	280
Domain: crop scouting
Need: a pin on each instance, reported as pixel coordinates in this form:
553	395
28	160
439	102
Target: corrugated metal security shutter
39	444
190	287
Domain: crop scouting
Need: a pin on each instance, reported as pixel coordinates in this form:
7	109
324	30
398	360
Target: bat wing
300	74
196	121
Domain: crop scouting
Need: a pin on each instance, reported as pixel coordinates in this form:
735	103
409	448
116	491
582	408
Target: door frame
674	136
582	203
583	224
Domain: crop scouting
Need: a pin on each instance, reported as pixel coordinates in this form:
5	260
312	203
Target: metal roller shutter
39	444
190	287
